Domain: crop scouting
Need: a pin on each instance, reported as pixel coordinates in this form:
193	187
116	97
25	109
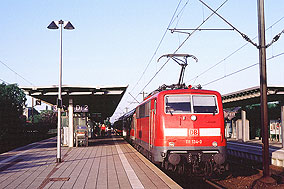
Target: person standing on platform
103	129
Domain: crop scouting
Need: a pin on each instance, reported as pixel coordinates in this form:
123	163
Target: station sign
55	108
77	108
81	108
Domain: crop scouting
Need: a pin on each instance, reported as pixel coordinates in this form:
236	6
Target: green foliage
48	117
12	101
12	95
36	118
43	122
14	131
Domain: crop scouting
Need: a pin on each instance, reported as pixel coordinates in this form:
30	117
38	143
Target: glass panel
147	109
178	104
204	104
137	112
142	111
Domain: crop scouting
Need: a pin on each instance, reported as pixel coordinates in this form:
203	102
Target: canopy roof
101	100
252	96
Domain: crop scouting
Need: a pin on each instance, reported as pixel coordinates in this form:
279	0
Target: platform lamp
68	26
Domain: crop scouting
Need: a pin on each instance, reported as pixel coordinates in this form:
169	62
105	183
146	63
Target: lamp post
68	26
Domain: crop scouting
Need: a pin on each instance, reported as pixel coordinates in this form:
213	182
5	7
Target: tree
48	117
12	101
43	122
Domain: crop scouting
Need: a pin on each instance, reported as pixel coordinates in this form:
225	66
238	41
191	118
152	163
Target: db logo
193	132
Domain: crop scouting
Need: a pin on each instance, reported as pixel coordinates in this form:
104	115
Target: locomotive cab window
204	104
178	104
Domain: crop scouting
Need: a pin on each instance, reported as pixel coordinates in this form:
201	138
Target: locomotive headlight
215	144
193	117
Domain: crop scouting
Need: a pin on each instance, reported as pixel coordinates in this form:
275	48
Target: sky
118	42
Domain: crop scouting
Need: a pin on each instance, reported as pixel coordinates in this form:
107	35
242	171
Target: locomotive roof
190	90
174	91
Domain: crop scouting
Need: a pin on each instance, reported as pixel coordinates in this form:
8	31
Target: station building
82	105
242	113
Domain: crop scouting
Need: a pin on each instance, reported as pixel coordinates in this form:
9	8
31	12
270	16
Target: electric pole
263	95
263	87
143	95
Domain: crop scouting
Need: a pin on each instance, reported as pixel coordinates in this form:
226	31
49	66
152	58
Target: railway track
213	184
190	182
241	175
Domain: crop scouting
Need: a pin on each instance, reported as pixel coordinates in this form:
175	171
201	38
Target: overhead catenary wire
275	38
179	17
159	44
157	48
242	34
16	73
134	98
231	54
5	81
240	70
181	46
180	13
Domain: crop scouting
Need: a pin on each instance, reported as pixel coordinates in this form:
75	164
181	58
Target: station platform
105	163
252	149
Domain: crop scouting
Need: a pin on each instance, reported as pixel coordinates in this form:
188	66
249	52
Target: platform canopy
252	96
99	101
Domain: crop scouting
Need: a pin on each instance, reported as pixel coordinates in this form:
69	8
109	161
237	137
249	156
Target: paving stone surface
105	163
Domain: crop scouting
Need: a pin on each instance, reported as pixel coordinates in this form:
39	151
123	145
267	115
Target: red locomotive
180	128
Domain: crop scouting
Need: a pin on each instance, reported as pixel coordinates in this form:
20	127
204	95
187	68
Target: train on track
182	129
179	127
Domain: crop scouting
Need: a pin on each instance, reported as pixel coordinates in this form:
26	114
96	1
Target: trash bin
81	137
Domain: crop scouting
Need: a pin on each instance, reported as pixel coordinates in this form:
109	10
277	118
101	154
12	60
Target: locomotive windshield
204	104
191	103
178	104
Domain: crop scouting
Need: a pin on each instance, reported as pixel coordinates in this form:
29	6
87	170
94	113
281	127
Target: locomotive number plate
193	132
193	141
